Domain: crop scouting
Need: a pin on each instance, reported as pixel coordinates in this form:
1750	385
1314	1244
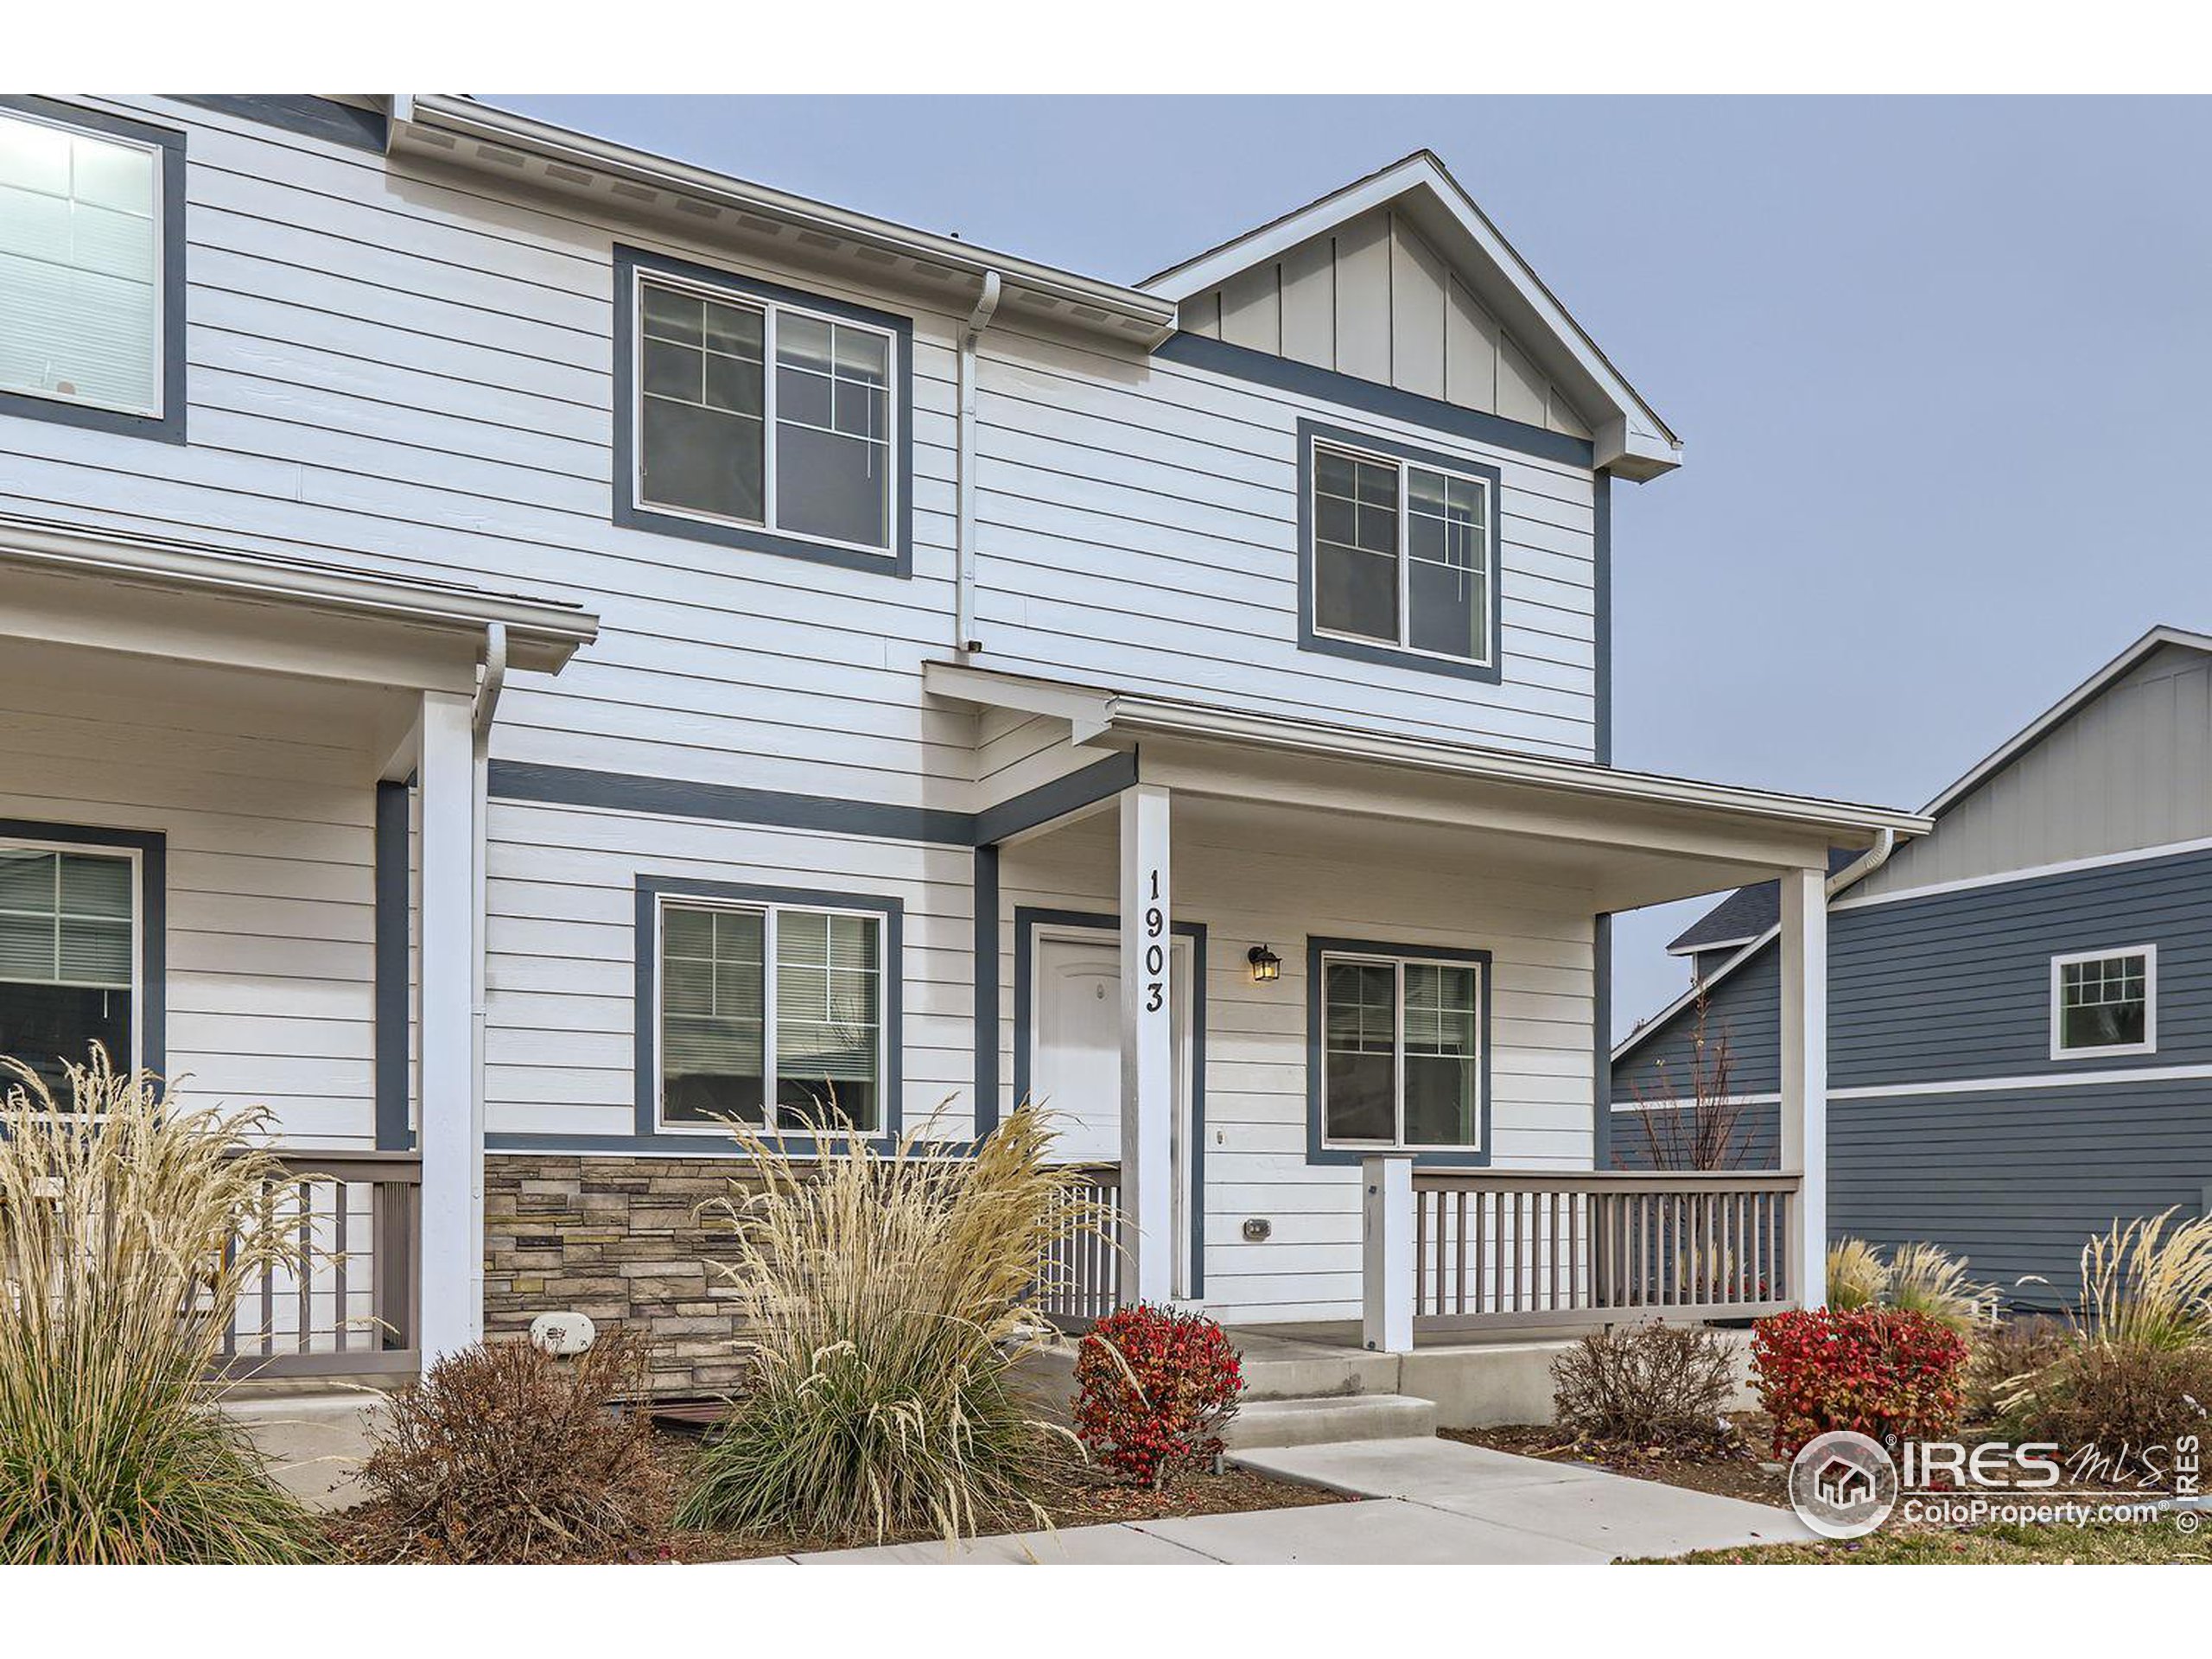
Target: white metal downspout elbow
488	688
987	305
1864	865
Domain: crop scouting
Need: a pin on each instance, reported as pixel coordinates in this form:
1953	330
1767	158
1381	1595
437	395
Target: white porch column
1147	1048
451	1136
1805	1076
1386	1231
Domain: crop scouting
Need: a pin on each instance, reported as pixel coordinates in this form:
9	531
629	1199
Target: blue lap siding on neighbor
1955	987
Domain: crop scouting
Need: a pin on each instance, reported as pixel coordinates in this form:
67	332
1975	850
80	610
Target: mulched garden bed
1073	1492
1741	1469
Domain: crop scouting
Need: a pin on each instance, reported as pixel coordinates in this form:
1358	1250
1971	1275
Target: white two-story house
519	648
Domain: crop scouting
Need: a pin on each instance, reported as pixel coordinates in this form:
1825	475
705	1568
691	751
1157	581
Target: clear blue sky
1942	367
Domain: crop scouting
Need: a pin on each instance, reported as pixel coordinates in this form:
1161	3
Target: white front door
1075	1057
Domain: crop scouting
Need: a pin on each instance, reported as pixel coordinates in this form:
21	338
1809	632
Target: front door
1075	1057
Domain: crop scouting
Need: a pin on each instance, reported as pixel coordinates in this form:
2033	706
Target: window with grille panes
735	1035
2105	1002
1400	1052
68	956
1402	555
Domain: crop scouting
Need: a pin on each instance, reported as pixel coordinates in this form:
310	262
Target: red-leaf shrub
1892	1374
1153	1388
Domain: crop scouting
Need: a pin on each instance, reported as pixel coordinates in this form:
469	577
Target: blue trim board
986	897
168	426
677	797
1372	397
898	560
1309	639
1026	920
391	933
1070	793
1317	1025
152	847
1601	1056
311	118
650	890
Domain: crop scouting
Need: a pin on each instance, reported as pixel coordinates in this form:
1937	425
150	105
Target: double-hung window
1401	553
86	307
2105	1002
770	1004
68	958
1400	1052
759	415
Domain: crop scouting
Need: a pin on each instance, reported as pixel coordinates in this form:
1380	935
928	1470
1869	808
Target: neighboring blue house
2019	1004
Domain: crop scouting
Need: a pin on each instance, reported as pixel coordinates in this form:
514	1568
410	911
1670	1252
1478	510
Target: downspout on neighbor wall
489	685
987	305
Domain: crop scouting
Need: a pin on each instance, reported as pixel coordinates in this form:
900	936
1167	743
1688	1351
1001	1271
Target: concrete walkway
1425	1502
316	1443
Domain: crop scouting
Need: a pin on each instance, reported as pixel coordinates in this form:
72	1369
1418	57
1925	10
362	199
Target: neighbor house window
734	1036
2105	1002
68	933
85	307
762	415
1401	554
1400	1052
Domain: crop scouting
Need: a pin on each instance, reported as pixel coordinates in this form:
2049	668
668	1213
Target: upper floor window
733	1035
2105	1002
68	958
1401	1051
763	418
1398	554
88	267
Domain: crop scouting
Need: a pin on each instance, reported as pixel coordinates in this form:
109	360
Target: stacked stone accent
620	1240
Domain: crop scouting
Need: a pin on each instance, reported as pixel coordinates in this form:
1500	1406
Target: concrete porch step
1329	1419
1279	1371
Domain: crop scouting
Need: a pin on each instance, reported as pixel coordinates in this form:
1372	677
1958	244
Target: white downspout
1864	865
488	687
965	552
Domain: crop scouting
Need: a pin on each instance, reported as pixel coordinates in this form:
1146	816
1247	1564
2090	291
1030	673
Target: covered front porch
1349	992
267	770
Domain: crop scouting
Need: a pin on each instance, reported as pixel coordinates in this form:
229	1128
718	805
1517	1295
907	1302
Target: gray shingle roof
1745	913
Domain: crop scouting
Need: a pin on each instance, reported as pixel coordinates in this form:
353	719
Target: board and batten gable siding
1542	995
405	371
1372	298
2129	769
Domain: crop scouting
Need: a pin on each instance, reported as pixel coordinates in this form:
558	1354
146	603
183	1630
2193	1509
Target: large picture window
87	255
734	1036
68	958
1401	1051
2105	1002
757	414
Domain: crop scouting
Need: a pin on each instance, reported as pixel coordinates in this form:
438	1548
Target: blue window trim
1317	1027
393	992
1026	920
649	1136
898	560
152	847
168	427
1312	432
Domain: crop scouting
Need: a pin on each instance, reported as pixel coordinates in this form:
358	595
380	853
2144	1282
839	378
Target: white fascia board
1081	300
1632	439
541	634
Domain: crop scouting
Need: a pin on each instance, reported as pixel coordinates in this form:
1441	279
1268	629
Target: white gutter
964	635
488	688
1864	865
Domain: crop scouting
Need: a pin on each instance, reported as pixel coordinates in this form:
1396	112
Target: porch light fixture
1266	965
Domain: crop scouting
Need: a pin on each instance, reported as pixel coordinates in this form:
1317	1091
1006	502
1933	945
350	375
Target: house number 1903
1155	949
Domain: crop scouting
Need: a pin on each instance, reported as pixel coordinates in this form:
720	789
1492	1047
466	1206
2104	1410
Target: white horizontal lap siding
270	891
1541	1010
561	935
1141	530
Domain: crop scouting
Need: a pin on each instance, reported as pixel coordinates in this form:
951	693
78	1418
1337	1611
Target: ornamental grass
884	1297
116	1286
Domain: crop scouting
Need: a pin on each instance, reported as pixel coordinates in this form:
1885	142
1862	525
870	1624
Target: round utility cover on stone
563	1334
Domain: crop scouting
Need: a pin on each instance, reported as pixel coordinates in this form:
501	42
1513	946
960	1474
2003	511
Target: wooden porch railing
353	1308
1080	1278
1504	1250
